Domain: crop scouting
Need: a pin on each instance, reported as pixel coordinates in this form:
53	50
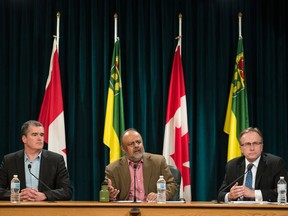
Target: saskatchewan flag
237	117
114	119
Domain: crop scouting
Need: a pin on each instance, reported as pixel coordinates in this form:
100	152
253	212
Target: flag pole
57	30
51	116
180	31
240	24
179	37
115	27
177	142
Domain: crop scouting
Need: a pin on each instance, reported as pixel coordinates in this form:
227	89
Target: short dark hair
251	129
25	126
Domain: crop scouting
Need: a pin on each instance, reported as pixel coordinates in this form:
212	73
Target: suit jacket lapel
146	172
124	172
43	166
261	167
21	168
241	168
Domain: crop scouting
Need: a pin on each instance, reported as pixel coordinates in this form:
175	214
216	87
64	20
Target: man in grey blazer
266	171
148	167
48	166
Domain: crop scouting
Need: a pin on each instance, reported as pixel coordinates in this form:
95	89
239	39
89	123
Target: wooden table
90	208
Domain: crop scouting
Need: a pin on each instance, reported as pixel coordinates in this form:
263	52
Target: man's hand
249	192
113	192
31	194
236	191
151	197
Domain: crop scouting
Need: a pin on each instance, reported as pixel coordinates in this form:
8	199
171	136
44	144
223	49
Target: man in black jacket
48	166
266	171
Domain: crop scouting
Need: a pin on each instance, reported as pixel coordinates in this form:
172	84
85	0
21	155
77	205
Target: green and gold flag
114	119
237	117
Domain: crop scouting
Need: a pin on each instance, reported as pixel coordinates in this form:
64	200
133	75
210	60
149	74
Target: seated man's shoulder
269	156
51	154
13	154
235	161
153	156
117	163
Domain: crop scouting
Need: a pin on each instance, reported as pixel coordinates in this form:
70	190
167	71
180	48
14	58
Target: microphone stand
135	211
45	185
135	167
249	167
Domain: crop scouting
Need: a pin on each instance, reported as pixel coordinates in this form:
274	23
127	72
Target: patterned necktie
248	182
249	179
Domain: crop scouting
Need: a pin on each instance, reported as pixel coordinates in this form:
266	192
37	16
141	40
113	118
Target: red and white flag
176	137
52	112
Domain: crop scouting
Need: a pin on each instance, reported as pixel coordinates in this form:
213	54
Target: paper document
251	202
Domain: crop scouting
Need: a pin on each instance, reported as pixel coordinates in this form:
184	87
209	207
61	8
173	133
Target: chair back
177	176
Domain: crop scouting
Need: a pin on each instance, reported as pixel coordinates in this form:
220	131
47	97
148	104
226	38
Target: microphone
135	167
46	186
249	167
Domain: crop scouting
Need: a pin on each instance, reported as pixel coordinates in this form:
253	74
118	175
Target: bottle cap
15	176
105	182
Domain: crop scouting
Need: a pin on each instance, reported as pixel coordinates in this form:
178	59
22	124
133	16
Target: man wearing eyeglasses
140	168
256	172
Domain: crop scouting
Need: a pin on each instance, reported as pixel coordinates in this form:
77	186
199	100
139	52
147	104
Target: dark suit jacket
153	166
53	173
269	170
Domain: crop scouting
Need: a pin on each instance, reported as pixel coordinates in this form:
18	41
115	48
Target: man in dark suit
266	171
48	166
148	168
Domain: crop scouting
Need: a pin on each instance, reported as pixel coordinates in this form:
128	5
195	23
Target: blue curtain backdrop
147	31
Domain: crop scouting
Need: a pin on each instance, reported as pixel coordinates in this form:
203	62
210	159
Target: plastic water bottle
15	190
104	193
282	189
161	190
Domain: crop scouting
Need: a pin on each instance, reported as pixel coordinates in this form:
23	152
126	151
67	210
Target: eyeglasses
132	144
248	144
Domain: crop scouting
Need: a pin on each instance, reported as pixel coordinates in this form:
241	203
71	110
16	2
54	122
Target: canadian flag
176	136
52	112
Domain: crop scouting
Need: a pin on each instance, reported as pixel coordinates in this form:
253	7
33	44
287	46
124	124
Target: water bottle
161	190
104	193
281	189
15	190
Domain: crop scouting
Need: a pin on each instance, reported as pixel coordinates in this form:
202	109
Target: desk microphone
46	186
135	167
249	167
